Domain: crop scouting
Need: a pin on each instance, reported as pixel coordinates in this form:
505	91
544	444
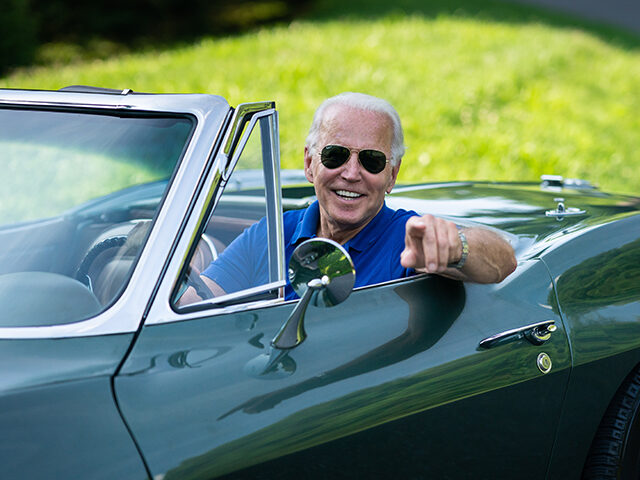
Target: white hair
366	102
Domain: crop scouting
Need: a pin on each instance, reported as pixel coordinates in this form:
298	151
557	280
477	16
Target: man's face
349	195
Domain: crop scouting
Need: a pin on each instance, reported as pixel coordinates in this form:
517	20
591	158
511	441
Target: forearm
490	259
191	296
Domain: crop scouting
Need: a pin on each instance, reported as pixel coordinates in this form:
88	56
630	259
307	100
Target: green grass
486	90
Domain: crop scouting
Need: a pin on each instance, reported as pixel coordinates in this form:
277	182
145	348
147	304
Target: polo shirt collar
308	227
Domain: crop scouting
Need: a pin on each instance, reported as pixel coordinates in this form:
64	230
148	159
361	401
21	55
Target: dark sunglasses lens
332	156
373	160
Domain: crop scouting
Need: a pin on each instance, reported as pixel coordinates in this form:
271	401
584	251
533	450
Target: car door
393	381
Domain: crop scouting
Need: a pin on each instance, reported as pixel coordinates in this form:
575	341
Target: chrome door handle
536	333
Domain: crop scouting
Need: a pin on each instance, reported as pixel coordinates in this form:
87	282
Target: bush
154	20
18	37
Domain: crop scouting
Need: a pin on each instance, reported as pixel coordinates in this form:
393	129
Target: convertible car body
112	202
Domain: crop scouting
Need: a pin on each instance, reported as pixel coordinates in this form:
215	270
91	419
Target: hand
431	244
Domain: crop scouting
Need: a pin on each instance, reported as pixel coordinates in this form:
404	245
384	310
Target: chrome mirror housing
321	272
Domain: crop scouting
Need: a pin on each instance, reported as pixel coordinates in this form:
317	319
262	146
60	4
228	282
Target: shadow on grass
488	10
60	53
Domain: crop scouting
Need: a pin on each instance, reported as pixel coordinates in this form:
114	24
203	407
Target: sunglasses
333	156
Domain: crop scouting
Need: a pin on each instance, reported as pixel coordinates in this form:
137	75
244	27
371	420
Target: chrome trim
569	212
242	113
248	292
558	182
221	164
538	328
544	363
273	192
68	105
237	140
196	104
125	315
216	311
563	211
250	306
161	310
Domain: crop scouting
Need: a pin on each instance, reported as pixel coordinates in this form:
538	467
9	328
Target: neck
340	233
335	233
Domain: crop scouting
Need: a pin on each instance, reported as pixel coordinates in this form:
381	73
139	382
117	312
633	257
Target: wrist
464	251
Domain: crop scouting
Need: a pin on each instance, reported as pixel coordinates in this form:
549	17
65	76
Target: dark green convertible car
112	202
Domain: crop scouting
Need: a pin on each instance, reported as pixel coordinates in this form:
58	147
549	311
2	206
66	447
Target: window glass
79	191
233	253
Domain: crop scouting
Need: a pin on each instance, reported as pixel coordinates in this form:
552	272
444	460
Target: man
352	157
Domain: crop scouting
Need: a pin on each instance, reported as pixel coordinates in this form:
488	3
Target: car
113	202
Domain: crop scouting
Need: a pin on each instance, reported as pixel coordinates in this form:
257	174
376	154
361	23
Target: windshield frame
209	115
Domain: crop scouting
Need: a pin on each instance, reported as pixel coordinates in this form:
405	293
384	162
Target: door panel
58	417
398	361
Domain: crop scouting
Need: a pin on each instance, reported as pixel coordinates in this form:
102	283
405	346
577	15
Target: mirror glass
325	260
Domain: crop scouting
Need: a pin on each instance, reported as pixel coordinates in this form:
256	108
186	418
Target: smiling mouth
348	194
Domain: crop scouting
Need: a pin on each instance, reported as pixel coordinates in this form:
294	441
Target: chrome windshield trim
66	104
243	113
197	104
125	315
236	140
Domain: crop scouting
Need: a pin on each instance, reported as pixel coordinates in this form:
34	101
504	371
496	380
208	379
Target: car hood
518	209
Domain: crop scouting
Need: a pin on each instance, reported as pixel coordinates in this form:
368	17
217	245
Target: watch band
465	251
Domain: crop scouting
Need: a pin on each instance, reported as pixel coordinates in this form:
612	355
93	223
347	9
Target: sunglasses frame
360	159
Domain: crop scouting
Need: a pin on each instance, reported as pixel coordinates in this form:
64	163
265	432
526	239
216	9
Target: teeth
346	193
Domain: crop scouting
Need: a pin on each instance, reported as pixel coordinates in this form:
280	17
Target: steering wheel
194	280
82	274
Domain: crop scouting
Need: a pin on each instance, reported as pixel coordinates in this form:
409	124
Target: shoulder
401	213
399	217
293	215
388	228
291	219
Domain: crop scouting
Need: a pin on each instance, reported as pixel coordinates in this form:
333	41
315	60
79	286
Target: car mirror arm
292	332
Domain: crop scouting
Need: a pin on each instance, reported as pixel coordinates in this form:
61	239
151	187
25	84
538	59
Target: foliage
18	38
486	90
75	29
160	20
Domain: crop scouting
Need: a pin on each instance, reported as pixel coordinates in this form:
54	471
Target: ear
308	171
394	175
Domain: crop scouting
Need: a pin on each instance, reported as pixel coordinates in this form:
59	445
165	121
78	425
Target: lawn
486	90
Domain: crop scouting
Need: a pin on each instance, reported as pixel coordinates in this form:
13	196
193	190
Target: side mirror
321	272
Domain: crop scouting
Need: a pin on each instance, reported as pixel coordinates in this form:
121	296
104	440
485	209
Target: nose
351	169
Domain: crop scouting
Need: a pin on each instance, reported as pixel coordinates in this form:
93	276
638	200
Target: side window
238	257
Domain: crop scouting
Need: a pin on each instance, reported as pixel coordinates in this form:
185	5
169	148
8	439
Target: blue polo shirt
375	250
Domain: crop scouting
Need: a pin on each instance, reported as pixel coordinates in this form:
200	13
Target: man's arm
190	296
432	245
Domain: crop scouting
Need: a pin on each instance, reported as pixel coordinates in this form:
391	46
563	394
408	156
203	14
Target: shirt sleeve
244	263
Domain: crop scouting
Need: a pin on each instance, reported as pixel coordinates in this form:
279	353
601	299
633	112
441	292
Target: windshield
78	193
